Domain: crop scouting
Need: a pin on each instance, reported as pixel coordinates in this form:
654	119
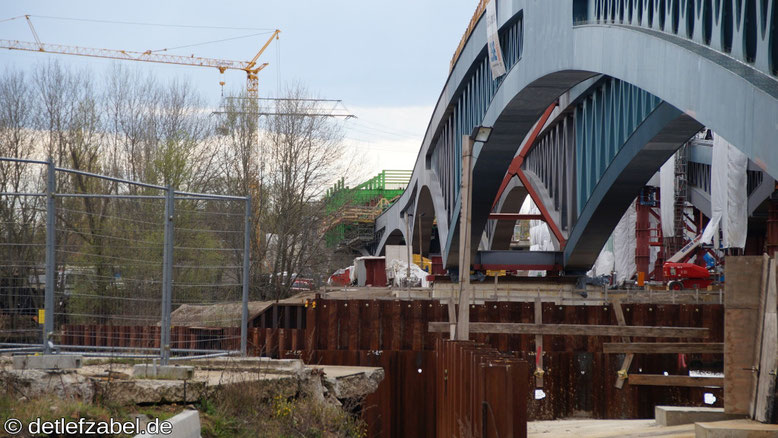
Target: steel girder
563	43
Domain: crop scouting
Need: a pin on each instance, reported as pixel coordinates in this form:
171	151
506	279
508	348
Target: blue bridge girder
634	79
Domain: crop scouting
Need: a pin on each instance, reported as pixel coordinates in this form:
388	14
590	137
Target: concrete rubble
126	384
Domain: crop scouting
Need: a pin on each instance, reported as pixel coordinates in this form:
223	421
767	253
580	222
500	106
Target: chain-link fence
102	266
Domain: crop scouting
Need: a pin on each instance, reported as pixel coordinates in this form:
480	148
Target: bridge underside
628	91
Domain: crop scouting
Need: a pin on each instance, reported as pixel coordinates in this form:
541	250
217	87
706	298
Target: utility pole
466	192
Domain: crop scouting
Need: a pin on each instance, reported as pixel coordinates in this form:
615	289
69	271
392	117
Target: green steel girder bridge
598	94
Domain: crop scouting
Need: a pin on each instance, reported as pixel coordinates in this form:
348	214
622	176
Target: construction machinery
251	68
680	274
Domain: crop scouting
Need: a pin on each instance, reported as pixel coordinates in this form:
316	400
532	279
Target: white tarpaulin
728	197
399	273
493	40
539	234
604	263
624	245
654	250
667	197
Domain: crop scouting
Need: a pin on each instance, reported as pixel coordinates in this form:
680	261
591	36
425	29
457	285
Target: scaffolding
351	212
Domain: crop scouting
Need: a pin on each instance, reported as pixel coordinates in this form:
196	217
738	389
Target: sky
387	61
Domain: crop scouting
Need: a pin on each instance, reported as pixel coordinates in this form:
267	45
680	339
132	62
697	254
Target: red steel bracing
642	238
515	170
515	165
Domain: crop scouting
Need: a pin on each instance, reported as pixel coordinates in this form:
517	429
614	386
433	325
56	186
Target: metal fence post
51	241
244	319
167	276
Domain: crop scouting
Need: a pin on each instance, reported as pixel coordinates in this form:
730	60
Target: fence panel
110	267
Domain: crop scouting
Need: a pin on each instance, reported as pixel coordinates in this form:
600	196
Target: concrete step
674	415
735	429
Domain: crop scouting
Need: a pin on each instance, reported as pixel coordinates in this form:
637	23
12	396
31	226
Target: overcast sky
386	60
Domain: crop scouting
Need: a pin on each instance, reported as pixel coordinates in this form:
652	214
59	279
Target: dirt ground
606	429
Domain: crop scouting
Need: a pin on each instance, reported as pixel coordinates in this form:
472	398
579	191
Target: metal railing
107	266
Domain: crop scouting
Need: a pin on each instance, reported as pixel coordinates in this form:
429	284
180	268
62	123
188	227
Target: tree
21	220
303	154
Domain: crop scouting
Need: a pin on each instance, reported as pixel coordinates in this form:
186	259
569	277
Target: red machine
681	275
686	276
341	277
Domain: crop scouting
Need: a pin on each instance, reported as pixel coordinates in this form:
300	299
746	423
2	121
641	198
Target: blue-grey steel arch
722	77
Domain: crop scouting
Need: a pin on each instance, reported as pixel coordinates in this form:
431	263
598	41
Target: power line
372	131
12	18
378	125
139	23
212	41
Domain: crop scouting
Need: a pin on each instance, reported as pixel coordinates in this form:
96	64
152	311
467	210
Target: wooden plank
622	373
663	347
760	314
662	380
578	330
452	318
765	393
538	344
741	305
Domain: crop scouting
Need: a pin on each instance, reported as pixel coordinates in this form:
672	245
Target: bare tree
304	153
20	217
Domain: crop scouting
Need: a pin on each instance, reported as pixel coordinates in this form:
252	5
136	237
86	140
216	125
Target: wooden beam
768	365
760	327
622	374
465	225
538	345
663	347
577	330
662	380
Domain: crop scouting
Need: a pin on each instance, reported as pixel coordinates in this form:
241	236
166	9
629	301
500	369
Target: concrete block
675	415
735	429
152	371
185	425
47	362
261	364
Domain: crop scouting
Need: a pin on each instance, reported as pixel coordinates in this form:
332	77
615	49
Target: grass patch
245	411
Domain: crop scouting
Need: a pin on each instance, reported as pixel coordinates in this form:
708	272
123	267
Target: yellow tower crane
250	67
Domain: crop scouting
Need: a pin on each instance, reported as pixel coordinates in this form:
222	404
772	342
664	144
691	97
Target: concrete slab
262	365
185	425
147	391
154	371
675	415
349	382
735	429
588	428
47	362
122	381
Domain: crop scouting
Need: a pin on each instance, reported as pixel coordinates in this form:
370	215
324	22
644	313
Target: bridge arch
564	43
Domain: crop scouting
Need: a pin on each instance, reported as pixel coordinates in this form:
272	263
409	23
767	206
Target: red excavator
680	275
